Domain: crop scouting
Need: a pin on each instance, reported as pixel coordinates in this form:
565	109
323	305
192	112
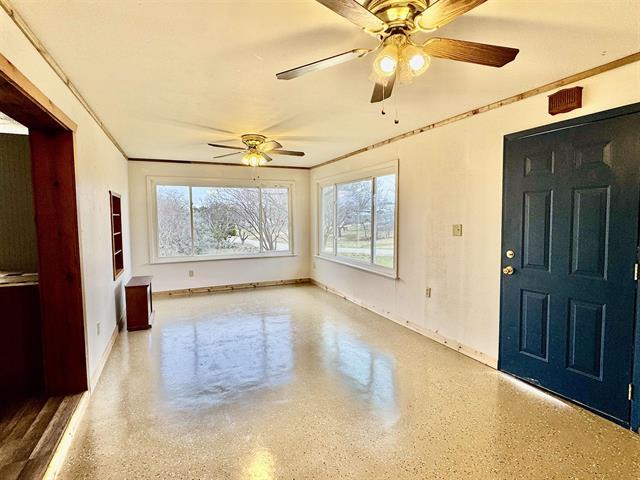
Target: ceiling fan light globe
252	159
419	63
386	62
388	65
416	63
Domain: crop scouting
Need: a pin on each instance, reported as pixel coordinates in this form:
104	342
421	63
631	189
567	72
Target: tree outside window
359	217
214	221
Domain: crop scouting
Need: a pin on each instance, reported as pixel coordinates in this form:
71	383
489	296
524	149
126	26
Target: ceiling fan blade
355	13
382	90
217	145
444	11
322	64
228	155
471	52
268	146
290	153
267	157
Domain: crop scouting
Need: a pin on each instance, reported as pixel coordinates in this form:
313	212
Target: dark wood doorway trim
574	122
51	138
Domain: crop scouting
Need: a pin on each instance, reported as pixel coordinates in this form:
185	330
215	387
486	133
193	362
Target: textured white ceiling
166	77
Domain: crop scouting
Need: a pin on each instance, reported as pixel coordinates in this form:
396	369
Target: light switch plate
457	230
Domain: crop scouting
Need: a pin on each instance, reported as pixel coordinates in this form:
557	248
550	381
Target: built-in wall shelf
116	234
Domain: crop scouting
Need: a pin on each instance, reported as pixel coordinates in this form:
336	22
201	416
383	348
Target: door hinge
631	391
635	275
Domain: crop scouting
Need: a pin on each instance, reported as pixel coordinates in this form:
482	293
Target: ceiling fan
257	150
399	57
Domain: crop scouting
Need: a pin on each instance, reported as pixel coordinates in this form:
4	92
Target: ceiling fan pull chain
396	120
383	101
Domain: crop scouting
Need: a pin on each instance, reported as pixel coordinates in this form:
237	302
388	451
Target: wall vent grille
565	100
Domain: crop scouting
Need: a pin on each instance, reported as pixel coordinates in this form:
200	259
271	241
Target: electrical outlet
191	273
427	292
98	328
313	265
457	230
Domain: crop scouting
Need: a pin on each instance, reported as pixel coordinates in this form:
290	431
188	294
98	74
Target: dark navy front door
570	226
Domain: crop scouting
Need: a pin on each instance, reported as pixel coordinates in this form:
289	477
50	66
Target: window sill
161	261
370	269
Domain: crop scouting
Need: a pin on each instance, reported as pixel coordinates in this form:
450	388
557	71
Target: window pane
326	224
174	221
225	221
275	219
353	220
385	220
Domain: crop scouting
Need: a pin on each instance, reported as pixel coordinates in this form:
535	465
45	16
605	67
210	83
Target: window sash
371	264
155	238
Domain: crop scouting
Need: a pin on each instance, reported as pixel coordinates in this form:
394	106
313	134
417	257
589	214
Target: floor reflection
261	466
213	360
369	373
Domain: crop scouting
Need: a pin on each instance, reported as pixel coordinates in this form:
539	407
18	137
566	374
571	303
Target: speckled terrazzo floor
295	383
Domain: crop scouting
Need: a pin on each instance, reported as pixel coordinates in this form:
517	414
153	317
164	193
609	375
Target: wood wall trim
635	57
59	269
66	438
51	139
228	288
22	84
37	44
224	164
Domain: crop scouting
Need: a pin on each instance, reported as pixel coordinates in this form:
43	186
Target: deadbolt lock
508	270
510	254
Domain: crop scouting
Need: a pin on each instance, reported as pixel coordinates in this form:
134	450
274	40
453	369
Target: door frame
574	122
52	144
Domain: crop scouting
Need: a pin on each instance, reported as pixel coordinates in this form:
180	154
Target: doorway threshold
31	429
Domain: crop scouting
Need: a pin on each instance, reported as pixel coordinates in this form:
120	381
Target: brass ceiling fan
257	150
400	58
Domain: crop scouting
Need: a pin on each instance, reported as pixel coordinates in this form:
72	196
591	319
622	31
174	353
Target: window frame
152	209
369	173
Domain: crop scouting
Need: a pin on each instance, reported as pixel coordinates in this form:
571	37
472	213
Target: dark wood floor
30	430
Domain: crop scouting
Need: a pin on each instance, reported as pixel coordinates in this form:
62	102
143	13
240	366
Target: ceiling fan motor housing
397	14
252	140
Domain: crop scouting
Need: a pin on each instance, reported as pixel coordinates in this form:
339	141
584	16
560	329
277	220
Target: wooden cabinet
116	234
20	341
139	303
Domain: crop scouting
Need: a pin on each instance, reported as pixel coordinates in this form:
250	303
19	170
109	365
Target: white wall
174	276
447	176
99	168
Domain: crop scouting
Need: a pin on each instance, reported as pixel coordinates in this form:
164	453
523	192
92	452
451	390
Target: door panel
537	229
586	326
534	324
570	216
589	234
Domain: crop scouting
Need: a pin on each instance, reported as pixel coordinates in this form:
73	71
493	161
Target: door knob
508	270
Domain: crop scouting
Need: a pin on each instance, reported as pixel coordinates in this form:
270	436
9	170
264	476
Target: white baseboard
105	356
433	335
